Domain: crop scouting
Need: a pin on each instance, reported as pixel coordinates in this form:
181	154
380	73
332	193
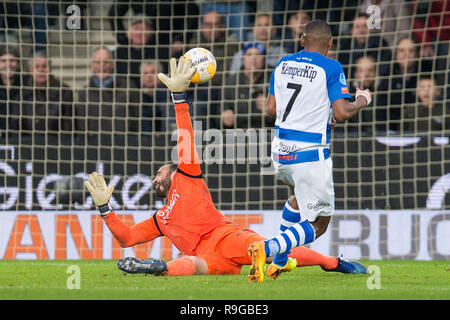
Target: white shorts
313	186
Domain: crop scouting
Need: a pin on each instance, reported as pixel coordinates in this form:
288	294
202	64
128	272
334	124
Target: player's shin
187	266
289	217
297	235
180	267
308	257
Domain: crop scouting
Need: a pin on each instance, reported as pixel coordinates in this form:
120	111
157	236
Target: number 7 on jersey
297	88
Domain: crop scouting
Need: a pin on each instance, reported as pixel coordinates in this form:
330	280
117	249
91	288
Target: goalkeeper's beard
163	187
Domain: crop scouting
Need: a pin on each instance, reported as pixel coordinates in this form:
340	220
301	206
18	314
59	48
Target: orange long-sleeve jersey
189	213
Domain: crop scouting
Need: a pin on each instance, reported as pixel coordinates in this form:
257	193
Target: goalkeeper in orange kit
210	243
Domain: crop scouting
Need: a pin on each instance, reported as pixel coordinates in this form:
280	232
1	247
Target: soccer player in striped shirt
210	242
306	90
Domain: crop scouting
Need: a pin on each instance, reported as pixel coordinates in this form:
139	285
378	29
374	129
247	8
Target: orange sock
180	267
308	257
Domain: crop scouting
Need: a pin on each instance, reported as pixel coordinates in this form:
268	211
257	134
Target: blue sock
297	235
272	247
289	217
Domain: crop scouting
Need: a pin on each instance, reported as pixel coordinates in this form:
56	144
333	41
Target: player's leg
314	192
297	235
225	251
289	217
308	257
187	266
300	256
235	249
318	214
184	266
281	262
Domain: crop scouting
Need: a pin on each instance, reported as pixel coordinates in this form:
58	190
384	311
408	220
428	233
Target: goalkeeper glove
100	193
180	78
364	93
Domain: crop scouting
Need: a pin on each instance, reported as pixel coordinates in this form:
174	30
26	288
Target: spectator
236	13
431	24
141	46
296	24
215	37
399	88
46	105
432	32
107	103
361	43
364	78
341	14
176	20
153	98
396	18
364	75
429	114
263	32
139	8
280	8
10	83
246	91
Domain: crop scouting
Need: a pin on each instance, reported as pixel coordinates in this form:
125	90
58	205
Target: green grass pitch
100	279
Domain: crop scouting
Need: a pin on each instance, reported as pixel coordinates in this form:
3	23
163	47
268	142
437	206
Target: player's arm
271	102
126	236
271	106
142	232
178	83
188	159
344	110
339	95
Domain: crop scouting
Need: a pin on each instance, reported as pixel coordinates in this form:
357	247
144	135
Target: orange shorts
225	249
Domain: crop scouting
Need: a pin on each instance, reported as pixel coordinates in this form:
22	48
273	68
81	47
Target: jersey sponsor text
306	71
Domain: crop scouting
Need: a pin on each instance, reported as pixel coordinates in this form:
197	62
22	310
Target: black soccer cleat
134	265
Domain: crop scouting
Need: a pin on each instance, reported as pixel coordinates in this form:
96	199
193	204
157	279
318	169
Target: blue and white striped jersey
304	85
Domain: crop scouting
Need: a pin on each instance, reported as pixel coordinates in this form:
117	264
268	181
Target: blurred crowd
398	49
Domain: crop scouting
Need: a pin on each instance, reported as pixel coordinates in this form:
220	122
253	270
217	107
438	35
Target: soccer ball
204	61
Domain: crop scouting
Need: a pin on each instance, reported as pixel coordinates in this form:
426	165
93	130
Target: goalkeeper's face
163	181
